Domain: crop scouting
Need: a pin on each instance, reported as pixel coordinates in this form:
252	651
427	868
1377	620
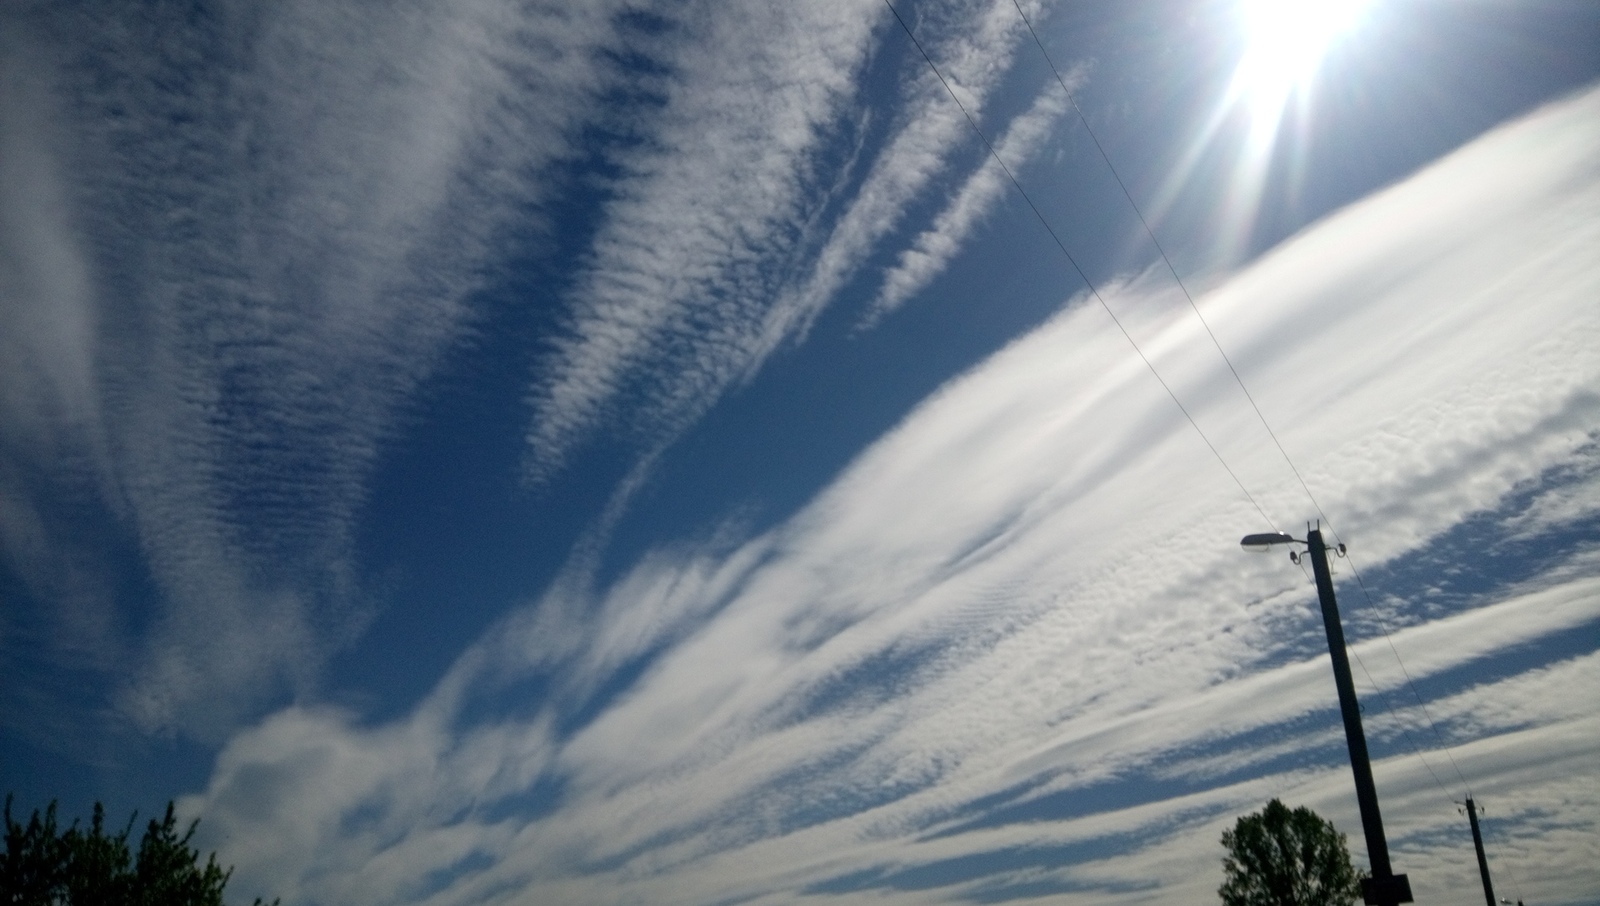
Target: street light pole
1384	888
1483	861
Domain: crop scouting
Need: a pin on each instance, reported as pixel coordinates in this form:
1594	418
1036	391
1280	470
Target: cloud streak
1025	603
231	262
724	237
932	250
243	249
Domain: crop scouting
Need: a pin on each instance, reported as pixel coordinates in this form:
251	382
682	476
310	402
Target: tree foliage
1279	857
44	865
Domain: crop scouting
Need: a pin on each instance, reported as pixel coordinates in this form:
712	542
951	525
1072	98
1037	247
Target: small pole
1384	888
1483	861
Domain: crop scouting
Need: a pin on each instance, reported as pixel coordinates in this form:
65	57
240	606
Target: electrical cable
1383	626
1361	584
1096	293
1159	249
1506	864
1372	606
1075	266
1246	391
1404	730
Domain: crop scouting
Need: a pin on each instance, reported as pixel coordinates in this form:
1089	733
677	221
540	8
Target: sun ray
1286	42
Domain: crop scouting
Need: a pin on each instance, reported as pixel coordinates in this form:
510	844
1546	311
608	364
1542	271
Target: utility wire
1506	864
1163	252
1383	625
1248	396
1372	606
1404	730
1075	266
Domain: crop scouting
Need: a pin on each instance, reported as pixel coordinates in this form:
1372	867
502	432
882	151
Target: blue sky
652	453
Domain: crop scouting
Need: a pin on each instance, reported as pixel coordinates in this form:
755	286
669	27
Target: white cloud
48	347
287	209
49	405
932	250
721	242
972	45
699	212
1563	507
286	225
1031	588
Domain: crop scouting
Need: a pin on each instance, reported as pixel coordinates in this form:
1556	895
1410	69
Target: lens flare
1287	40
1286	43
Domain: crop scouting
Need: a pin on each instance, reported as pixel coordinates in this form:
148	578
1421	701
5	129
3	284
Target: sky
619	452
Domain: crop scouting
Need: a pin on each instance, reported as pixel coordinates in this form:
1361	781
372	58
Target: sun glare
1285	43
1286	40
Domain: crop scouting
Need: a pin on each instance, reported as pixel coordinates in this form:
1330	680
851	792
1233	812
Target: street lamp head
1264	541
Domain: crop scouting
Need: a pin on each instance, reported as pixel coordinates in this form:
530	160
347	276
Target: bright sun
1286	43
1287	39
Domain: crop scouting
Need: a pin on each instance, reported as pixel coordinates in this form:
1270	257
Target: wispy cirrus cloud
678	268
235	242
933	248
1028	595
724	237
231	261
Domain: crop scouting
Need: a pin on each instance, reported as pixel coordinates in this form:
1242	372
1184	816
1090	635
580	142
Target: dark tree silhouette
1278	857
44	865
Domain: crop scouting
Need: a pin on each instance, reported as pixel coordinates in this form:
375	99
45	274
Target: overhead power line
1093	290
1260	416
1233	370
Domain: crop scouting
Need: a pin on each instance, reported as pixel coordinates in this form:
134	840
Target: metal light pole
1384	888
1477	843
